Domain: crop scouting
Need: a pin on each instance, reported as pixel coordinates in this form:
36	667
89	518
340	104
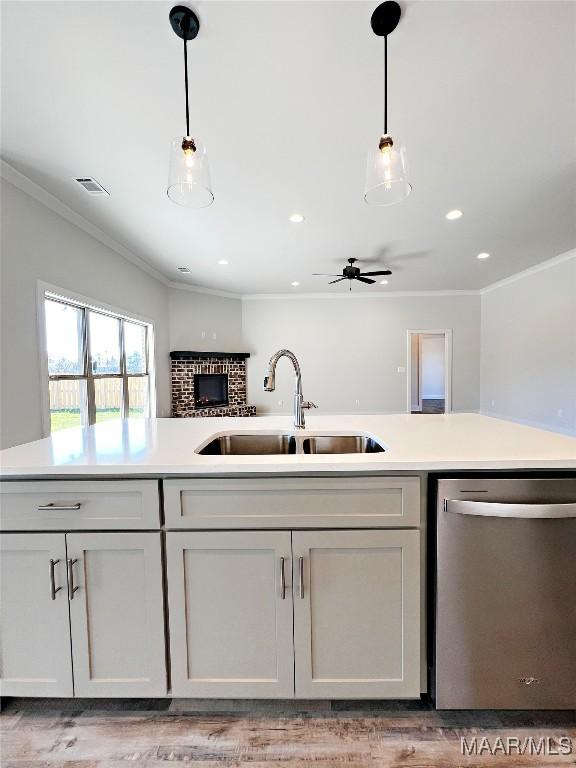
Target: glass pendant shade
189	176
386	173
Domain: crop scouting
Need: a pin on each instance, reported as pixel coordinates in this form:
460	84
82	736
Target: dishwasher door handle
499	509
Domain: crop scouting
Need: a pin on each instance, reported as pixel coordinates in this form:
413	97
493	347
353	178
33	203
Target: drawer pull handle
71	587
53	587
282	580
59	507
301	577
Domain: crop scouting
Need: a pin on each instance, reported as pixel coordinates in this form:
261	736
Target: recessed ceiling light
296	218
383	282
295	284
223	262
453	214
483	255
184	270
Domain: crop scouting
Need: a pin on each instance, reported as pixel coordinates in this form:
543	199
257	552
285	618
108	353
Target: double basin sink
289	443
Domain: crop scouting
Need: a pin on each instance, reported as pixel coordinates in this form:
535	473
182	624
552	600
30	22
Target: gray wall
528	360
38	244
204	322
350	349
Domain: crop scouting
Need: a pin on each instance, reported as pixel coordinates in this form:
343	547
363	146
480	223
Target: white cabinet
82	614
116	614
230	609
293	502
342	620
357	614
35	635
73	505
308	607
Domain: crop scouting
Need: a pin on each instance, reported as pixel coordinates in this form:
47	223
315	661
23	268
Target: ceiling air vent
92	186
184	270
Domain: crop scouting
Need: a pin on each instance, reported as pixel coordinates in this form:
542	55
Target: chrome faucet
300	405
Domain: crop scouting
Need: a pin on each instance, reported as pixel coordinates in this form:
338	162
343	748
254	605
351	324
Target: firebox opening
210	389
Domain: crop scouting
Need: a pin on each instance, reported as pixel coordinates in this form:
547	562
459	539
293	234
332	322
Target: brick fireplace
209	384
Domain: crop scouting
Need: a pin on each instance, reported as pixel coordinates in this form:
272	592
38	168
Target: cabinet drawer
332	502
79	505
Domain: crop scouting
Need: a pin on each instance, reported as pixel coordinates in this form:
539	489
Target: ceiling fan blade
376	274
325	274
336	281
364	280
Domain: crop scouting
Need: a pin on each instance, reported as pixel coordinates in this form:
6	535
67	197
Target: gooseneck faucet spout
300	405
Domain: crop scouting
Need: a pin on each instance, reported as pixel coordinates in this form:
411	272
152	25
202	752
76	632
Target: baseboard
530	423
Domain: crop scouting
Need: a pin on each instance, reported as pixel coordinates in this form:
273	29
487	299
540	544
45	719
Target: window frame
48	292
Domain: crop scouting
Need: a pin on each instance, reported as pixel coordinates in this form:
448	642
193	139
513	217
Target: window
98	364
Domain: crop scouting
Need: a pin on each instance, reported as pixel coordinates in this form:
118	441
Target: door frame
447	333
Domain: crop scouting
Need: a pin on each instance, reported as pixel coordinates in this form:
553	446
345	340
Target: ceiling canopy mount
385	18
184	22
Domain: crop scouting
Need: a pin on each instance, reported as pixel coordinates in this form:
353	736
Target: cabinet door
357	614
35	654
230	615
116	614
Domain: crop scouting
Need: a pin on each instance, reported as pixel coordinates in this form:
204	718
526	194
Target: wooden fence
65	395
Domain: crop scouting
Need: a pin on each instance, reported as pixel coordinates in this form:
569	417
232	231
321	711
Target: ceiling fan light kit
386	166
189	181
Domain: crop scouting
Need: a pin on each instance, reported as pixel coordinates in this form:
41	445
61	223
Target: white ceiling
287	97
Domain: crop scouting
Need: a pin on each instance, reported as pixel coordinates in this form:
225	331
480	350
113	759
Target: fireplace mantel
178	355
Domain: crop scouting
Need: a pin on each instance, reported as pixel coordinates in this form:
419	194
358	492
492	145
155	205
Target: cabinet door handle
59	507
282	580
71	587
53	587
301	577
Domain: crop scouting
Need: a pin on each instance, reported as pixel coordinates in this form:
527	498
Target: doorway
429	379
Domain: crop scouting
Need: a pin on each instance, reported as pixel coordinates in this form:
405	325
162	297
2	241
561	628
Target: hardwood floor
431	406
80	733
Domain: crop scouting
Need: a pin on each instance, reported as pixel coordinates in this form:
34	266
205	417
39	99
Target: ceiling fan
353	273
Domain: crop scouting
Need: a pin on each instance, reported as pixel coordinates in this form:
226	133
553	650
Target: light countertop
413	443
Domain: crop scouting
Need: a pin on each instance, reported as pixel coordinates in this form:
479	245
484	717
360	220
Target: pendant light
386	171
189	176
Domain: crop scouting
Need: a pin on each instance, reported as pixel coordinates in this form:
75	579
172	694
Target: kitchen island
135	565
413	442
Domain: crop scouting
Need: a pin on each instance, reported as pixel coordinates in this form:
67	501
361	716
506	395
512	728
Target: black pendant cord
385	85
186	79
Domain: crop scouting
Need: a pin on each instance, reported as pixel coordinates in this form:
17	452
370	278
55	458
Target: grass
71	418
64	419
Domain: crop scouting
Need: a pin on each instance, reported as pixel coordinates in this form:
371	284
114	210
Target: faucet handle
308	404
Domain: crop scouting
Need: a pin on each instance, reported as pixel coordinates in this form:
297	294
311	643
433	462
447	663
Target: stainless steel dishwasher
506	594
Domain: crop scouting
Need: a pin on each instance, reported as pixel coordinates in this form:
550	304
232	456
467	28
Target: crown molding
29	187
200	289
355	296
553	262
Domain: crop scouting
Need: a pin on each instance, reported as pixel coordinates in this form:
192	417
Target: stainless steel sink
341	444
249	445
275	444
